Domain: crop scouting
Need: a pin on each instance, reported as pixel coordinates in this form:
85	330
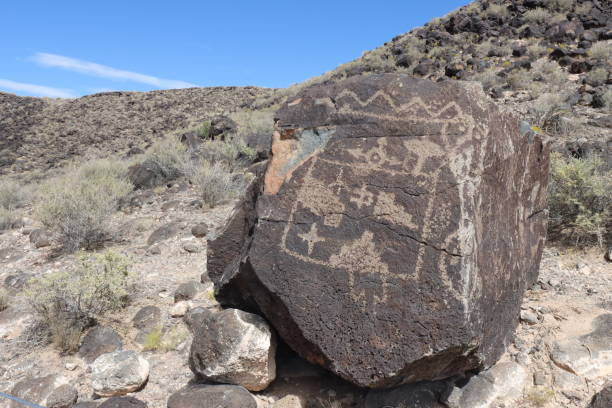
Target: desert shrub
537	15
9	219
67	301
548	77
204	129
597	77
232	153
562	5
519	79
157	340
13	195
488	79
4	301
216	182
536	50
580	200
497	10
153	340
550	111
601	50
168	157
78	203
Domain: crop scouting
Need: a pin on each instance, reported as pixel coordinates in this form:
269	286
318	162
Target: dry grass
78	203
217	182
12	194
4	300
537	15
497	10
157	340
601	51
597	77
9	219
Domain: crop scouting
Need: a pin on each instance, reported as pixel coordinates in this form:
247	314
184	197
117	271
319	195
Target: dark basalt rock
397	226
98	341
602	399
212	396
123	402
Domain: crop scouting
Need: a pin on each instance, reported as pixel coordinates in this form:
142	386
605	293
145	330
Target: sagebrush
69	300
217	182
77	204
167	158
580	200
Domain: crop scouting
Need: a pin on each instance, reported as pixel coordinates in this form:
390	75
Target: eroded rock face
397	226
118	373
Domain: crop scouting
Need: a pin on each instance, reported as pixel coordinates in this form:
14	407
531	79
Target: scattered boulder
194	317
603	399
99	340
180	308
590	355
86	404
502	382
164	232
64	396
199	230
380	208
35	389
41	238
119	373
123	402
146	318
234	347
191	247
186	291
212	396
145	175
220	125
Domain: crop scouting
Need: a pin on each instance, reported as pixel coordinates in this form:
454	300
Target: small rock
195	316
98	341
186	291
191	247
199	230
123	402
584	269
62	397
211	396
163	233
147	318
154	250
529	317
71	366
170	205
40	238
119	373
179	309
234	347
290	401
34	389
539	378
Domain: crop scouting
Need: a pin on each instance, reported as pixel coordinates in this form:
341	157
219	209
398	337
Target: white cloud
37	90
91	68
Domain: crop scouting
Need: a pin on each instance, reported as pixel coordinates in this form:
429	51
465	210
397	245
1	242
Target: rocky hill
38	134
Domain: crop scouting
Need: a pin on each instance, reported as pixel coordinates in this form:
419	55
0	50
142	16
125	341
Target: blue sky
72	48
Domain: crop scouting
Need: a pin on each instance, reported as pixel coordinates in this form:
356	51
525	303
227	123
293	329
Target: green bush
580	200
67	301
78	203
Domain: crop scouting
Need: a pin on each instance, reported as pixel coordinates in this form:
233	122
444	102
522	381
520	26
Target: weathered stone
40	238
382	205
186	291
191	247
220	125
290	401
602	399
199	230
35	389
63	396
212	396
421	395
148	317
502	382
589	355
164	232
123	402
234	347
86	404
180	309
194	317
98	341
118	373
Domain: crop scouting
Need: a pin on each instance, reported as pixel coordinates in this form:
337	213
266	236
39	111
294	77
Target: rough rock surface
123	402
63	396
119	373
380	248
35	389
234	347
98	341
602	399
212	396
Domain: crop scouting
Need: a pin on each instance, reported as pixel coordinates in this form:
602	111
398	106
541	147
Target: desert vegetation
69	300
13	196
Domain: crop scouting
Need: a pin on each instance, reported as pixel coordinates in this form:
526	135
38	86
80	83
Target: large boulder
396	228
234	347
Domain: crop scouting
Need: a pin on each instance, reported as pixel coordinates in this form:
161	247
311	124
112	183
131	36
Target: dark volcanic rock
123	402
602	399
98	341
212	396
382	245
220	125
